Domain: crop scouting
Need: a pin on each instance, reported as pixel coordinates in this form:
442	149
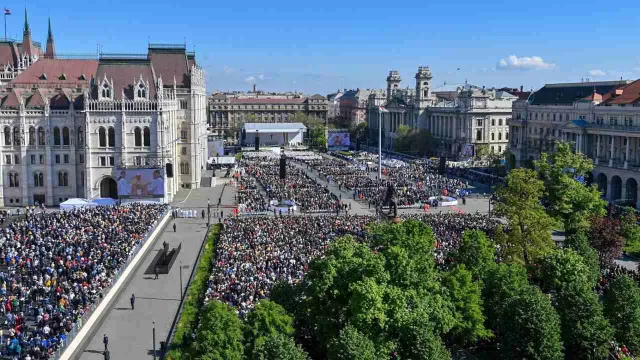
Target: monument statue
391	200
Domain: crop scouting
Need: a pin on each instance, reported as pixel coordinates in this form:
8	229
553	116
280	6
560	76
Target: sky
320	47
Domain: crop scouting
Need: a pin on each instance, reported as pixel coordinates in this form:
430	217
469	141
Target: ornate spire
50	52
50	35
26	21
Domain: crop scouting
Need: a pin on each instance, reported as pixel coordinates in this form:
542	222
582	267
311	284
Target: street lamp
154	340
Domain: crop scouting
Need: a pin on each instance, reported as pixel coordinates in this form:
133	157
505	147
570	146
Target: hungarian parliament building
70	125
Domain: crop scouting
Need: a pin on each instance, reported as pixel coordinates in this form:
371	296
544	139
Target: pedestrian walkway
130	331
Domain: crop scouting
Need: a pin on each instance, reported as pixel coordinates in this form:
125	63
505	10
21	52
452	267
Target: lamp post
154	340
181	288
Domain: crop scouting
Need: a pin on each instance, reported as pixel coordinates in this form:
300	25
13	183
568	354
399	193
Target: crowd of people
255	253
476	175
54	265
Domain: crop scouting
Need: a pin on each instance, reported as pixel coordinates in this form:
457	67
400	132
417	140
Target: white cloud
250	79
229	70
523	63
597	73
261	77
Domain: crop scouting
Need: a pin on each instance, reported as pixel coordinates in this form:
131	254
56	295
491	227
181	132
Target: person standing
156	272
174	227
133	301
105	341
202	214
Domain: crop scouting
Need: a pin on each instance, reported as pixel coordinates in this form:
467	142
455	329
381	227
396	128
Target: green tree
530	226
579	242
353	345
403	139
359	132
278	347
630	230
532	328
569	200
585	331
219	336
476	252
267	319
466	296
622	308
501	282
422	142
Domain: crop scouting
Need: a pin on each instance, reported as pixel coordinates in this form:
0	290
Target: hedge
194	301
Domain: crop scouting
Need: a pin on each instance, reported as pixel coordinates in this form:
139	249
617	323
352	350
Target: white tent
76	203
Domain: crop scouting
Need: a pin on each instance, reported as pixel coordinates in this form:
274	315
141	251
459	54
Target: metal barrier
91	308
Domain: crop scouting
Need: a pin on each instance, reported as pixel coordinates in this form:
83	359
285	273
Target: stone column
626	155
598	149
611	152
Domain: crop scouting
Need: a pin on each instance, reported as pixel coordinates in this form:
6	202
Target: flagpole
5	25
379	144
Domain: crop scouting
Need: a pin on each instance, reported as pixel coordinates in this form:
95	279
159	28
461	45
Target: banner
140	183
338	140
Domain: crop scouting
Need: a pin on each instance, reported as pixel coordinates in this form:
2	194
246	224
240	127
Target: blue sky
323	46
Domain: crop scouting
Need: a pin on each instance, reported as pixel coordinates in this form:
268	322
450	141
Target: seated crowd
255	253
53	266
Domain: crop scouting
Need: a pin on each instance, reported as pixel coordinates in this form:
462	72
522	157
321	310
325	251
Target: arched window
106	91
38	179
41	137
16	136
65	136
184	131
32	136
7	136
493	136
112	137
493	122
499	136
147	136
80	136
63	178
102	137
499	122
56	136
184	168
14	180
137	137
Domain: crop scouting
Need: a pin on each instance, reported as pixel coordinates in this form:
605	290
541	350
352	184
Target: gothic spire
50	52
50	35
26	21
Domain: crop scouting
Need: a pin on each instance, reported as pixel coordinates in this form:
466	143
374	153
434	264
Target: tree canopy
219	336
622	308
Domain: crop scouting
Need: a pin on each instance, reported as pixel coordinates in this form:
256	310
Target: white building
274	134
464	120
68	126
599	119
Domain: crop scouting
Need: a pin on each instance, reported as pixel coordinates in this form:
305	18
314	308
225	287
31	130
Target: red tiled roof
8	53
630	94
125	75
36	100
59	101
267	101
169	64
12	101
54	68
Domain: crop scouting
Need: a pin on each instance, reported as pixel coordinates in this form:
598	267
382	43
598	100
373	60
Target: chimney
254	87
520	88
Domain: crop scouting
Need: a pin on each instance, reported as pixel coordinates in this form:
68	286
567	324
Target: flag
382	109
7	11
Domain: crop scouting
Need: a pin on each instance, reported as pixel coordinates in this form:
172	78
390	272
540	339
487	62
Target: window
33	159
492	150
183	104
66	158
184	168
57	159
499	136
41	159
56	136
493	122
81	158
112	137
41	137
102	160
7	136
14	181
146	134
506	136
16	159
63	178
112	161
32	136
16	136
137	135
184	132
102	135
493	136
499	122
80	136
65	136
548	116
560	117
479	122
38	179
478	135
7	159
137	160
499	149
184	150
82	178
554	117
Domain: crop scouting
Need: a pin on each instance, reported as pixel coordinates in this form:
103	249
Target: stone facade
599	119
354	106
227	111
72	122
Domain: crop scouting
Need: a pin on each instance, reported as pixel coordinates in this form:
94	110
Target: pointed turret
51	47
27	44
